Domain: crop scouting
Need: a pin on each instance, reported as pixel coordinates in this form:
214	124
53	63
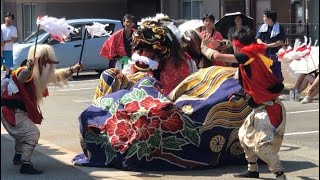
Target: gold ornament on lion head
153	34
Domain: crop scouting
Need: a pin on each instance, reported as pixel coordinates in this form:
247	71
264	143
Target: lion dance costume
262	133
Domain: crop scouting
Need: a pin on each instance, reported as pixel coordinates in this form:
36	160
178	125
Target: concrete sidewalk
52	168
55	161
299	162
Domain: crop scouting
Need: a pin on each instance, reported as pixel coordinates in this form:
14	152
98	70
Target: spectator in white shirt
9	33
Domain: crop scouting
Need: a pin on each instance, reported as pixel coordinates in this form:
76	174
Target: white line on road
79	89
298	133
83	81
53	86
297	112
83	100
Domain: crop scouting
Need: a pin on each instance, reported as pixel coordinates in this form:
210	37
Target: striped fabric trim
110	81
200	85
226	114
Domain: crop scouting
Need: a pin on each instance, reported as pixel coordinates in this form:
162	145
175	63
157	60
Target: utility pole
248	5
2	11
161	6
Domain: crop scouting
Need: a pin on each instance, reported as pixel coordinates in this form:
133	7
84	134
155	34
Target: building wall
314	19
213	7
115	9
143	8
69	9
314	11
283	10
86	10
8	7
172	8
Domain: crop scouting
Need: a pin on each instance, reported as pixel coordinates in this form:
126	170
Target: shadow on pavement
52	168
49	151
291	166
306	178
214	172
289	148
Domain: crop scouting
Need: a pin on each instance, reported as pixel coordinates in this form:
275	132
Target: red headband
237	43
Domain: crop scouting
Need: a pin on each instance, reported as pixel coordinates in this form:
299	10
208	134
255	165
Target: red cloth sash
261	78
275	114
27	95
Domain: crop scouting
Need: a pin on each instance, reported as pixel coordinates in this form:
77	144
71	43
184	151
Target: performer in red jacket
119	44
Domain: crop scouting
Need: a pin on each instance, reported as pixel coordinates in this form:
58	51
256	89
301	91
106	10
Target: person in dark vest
272	35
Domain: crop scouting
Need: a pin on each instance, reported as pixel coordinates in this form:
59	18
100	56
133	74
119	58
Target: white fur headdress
165	21
153	65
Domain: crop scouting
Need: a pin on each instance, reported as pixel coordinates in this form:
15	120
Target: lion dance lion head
153	34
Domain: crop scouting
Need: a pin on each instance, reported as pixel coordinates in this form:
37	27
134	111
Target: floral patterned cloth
141	129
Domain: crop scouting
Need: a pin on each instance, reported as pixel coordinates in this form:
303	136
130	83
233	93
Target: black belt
13	104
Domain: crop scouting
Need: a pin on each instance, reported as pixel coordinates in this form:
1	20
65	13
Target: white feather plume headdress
58	28
98	29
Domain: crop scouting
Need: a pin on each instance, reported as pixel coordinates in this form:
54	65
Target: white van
69	52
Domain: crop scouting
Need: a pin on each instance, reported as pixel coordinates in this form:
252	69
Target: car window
75	36
107	28
71	37
50	41
32	38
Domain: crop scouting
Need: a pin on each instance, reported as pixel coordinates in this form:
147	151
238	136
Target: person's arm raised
214	54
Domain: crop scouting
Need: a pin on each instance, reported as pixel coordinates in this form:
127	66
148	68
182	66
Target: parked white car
69	52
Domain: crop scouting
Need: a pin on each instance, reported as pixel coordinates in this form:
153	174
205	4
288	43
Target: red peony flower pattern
149	102
146	127
172	123
165	112
119	129
123	131
132	107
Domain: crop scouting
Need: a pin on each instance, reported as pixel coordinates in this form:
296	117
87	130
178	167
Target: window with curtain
29	19
192	9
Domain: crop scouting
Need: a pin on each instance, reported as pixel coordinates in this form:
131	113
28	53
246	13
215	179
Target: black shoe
17	159
28	169
247	174
280	176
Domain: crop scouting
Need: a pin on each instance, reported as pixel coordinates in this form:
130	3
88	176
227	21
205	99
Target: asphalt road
60	141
